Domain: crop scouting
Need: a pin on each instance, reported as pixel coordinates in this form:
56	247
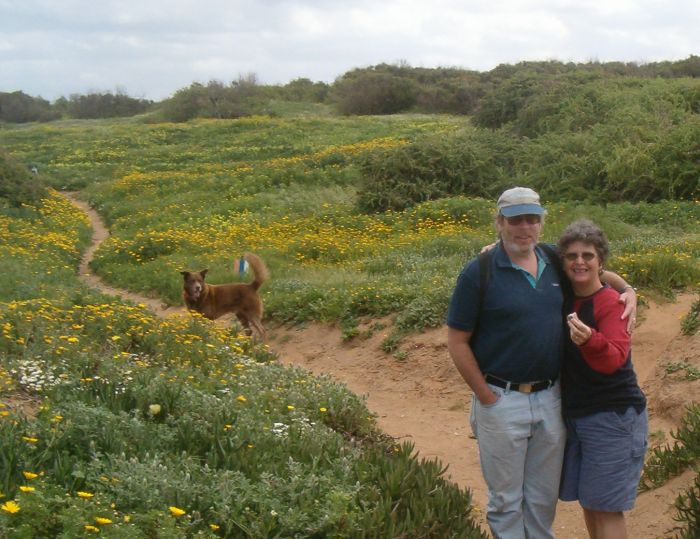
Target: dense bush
502	104
371	92
496	97
475	164
304	89
601	140
17	185
539	97
578	102
633	157
688	507
18	107
458	95
215	100
102	105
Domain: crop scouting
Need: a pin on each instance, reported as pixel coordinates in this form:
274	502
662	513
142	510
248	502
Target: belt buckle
525	388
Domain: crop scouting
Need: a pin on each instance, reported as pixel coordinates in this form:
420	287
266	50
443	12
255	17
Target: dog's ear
184	274
204	272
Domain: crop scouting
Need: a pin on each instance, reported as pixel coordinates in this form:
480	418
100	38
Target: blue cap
519	201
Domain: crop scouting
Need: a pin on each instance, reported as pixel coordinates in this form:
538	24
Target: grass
691	321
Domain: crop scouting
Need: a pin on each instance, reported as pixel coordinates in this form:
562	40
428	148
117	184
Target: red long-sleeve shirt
607	349
599	375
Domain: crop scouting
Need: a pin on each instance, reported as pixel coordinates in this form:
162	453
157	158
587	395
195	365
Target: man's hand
629	298
488	247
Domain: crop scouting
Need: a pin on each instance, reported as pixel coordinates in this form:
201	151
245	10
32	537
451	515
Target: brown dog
241	299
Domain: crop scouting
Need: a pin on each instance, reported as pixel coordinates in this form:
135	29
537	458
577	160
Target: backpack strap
484	274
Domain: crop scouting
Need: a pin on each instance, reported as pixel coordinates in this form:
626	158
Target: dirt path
99	234
421	398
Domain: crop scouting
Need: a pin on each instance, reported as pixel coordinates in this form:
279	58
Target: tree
18	107
370	92
305	90
104	105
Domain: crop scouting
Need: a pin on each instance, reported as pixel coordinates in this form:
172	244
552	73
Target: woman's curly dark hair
585	231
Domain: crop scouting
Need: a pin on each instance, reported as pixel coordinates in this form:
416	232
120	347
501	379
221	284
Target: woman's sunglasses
573	257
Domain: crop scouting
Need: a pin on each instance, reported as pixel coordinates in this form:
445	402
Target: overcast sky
152	48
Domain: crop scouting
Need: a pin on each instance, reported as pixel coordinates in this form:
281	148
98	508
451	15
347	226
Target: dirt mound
418	395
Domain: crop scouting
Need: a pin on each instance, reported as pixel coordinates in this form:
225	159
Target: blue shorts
603	459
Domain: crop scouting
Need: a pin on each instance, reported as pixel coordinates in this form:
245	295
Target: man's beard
518	249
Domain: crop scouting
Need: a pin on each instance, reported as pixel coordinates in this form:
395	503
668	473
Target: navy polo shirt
520	326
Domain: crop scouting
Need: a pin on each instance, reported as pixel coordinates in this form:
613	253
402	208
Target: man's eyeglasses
530	219
573	257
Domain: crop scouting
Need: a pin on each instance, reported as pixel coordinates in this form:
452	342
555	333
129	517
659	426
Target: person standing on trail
505	336
604	407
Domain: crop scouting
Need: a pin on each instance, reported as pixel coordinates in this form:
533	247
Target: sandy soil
418	395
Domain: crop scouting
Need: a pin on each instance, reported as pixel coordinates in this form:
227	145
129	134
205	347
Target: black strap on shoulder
485	273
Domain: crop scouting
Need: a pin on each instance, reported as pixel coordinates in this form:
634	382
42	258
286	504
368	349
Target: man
512	366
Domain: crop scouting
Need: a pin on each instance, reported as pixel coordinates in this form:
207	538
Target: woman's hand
580	332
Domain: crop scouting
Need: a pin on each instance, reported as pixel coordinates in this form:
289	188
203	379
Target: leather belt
529	387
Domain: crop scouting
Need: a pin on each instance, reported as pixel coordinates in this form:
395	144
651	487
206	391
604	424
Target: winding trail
422	399
99	234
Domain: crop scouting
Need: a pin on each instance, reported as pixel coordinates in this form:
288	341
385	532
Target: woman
604	408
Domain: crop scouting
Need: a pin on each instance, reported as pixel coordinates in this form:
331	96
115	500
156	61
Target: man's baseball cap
519	201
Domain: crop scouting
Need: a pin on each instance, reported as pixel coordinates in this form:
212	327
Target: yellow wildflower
91	528
102	520
241	398
25	488
82	494
10	507
30	475
154	409
176	511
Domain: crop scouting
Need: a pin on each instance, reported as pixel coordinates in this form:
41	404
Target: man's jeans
521	446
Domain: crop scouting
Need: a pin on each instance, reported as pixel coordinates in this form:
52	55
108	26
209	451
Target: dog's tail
260	271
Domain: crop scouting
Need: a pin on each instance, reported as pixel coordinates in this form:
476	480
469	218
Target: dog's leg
245	322
257	325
